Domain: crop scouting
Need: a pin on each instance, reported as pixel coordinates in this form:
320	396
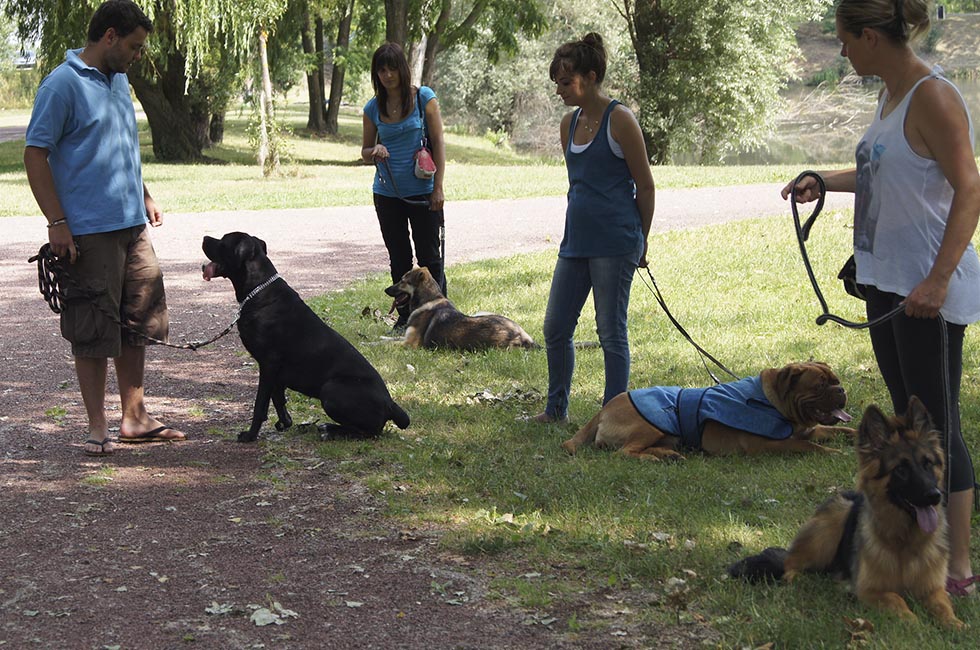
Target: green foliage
711	70
515	94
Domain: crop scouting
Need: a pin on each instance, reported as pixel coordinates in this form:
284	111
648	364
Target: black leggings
394	217
908	351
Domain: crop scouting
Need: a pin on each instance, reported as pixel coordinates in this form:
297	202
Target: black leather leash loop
802	235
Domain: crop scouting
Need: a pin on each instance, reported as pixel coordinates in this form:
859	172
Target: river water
824	124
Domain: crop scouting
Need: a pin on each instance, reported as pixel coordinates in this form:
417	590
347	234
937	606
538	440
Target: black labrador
294	348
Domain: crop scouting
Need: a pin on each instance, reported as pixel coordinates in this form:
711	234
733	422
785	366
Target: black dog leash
394	185
655	290
52	280
802	234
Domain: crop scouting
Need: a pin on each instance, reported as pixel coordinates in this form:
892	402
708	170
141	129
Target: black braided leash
52	280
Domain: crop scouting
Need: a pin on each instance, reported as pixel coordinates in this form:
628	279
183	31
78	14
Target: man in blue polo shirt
83	164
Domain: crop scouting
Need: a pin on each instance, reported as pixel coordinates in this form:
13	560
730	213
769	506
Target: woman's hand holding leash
62	244
804	190
379	153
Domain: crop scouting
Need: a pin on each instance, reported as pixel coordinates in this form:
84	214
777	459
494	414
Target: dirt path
134	552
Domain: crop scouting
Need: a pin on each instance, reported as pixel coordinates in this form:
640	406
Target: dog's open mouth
927	517
832	417
210	270
401	299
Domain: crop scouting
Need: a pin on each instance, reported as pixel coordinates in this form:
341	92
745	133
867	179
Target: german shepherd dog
434	322
781	410
888	537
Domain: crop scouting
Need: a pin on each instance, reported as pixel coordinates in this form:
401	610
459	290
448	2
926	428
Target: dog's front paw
247	436
284	423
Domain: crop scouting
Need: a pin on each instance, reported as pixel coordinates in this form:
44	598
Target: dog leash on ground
655	290
52	281
802	235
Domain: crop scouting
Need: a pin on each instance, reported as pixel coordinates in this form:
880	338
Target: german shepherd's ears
875	425
917	416
874	428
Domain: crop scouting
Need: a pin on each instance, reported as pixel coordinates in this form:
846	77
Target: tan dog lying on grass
782	410
434	322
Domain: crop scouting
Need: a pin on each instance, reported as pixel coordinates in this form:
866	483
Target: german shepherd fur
434	322
889	537
808	394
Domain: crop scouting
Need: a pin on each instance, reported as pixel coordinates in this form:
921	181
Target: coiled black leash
52	280
802	234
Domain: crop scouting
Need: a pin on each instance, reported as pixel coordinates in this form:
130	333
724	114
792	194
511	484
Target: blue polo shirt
402	139
87	123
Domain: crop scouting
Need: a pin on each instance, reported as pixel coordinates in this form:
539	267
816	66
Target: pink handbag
425	166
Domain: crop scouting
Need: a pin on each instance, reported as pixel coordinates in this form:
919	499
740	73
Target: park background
596	549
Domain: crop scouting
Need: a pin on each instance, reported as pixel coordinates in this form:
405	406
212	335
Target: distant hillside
957	49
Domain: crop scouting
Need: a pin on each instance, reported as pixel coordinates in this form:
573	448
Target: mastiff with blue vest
781	410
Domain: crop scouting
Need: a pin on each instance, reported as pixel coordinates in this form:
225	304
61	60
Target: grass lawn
561	534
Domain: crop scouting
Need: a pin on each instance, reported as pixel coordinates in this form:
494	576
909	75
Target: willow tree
197	50
710	71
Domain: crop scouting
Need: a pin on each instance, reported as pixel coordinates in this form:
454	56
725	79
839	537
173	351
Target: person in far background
916	207
607	221
393	130
83	164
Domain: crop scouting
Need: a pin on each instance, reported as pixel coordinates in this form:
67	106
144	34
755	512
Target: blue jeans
609	279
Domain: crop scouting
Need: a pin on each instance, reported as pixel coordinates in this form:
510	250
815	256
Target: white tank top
901	204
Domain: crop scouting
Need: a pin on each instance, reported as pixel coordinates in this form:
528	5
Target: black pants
395	216
909	355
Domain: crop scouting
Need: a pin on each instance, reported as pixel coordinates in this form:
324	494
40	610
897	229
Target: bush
17	87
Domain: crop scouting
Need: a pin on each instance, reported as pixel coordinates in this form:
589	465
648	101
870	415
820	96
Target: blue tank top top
602	219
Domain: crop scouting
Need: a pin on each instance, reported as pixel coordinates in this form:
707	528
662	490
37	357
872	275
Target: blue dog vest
683	412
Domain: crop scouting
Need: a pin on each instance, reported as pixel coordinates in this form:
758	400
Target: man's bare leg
130	366
91	373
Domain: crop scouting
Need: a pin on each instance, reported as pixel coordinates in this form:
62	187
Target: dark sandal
153	435
958	587
101	445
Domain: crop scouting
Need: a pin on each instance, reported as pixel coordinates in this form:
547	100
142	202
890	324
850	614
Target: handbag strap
425	126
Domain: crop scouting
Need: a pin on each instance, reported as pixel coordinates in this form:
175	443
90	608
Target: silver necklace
585	123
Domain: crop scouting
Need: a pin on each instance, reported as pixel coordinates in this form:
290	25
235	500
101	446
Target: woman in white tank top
917	204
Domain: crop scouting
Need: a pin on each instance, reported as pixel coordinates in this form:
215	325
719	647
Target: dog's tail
767	566
398	415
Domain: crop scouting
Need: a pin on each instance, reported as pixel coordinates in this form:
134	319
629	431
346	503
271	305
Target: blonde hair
903	21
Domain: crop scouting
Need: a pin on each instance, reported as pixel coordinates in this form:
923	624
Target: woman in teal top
394	122
610	208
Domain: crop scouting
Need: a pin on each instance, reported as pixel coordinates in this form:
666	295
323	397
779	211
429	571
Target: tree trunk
268	153
321	63
216	131
396	21
314	79
179	132
339	70
651	30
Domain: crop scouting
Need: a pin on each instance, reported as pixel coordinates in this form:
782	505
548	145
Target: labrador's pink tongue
927	518
208	271
841	415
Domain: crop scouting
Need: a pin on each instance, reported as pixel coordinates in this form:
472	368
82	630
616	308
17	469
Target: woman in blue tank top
394	122
610	208
917	203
